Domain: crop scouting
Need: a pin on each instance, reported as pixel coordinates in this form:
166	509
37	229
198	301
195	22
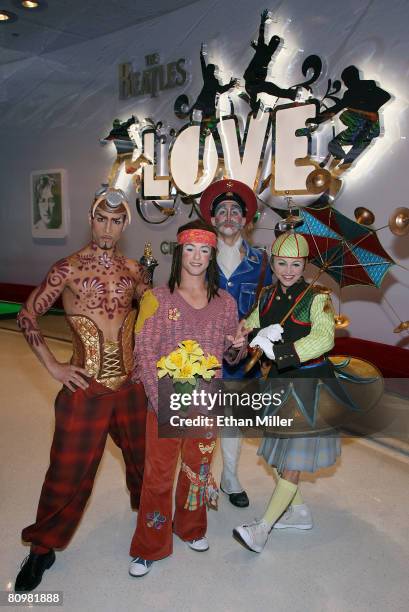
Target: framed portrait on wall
49	204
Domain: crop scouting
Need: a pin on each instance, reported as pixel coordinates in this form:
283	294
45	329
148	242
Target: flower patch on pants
155	520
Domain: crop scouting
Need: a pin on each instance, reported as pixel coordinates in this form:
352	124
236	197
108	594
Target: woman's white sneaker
297	517
140	567
254	535
199	545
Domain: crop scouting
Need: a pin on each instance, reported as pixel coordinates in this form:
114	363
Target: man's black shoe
240	500
32	570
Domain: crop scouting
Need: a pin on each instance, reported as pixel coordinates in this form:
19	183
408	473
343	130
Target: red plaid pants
83	420
153	536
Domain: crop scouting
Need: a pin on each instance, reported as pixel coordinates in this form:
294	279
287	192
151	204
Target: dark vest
274	305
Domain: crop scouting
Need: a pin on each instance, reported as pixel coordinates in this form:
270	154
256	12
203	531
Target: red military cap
228	189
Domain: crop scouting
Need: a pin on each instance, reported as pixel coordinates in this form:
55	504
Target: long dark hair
212	275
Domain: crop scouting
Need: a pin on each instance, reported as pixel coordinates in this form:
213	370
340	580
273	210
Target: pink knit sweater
161	334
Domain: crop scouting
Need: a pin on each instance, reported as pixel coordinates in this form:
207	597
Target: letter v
244	167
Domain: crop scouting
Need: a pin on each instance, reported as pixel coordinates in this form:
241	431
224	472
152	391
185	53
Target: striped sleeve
320	340
253	320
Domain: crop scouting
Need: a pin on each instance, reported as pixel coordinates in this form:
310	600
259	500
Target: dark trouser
359	133
153	536
258	86
83	420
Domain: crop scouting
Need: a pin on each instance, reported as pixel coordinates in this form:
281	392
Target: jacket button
230	284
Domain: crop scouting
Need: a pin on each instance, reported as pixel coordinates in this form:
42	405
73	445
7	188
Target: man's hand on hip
69	375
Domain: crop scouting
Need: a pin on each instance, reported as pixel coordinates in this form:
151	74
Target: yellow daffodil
186	371
161	365
207	366
191	347
175	360
186	362
206	374
211	361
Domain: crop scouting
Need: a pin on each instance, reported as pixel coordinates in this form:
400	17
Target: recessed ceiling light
30	5
7	17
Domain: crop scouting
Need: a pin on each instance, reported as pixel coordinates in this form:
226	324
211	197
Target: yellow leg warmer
298	498
280	500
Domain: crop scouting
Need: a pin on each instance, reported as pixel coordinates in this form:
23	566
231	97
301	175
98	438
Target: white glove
264	344
272	332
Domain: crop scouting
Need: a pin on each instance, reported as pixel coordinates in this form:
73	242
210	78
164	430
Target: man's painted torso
100	287
97	290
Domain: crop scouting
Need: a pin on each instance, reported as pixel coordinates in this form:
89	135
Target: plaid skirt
304	454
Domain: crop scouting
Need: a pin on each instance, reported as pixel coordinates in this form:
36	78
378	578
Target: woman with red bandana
190	307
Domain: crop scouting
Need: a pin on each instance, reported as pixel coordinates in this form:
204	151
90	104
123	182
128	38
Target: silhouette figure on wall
256	72
119	129
206	100
362	101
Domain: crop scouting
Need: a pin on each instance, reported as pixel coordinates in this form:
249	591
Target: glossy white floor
355	558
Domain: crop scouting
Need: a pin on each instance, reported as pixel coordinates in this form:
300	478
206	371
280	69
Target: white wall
54	108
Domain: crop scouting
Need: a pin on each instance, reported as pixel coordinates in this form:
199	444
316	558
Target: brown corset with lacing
106	361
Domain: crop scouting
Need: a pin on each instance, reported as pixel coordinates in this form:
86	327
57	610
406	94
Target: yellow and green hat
290	244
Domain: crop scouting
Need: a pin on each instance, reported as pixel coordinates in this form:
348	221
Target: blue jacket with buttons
242	285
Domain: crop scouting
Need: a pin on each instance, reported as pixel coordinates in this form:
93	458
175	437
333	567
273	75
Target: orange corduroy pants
153	536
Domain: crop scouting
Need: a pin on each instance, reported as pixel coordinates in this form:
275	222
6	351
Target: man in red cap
230	205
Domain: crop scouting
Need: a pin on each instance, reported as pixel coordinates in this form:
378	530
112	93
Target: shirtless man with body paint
97	286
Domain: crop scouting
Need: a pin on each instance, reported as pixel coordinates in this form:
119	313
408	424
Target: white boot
296	517
254	535
229	482
200	545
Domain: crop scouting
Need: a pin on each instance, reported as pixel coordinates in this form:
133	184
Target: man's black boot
32	570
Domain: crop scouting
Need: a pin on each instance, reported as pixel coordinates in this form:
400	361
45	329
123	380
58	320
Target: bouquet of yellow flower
185	364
